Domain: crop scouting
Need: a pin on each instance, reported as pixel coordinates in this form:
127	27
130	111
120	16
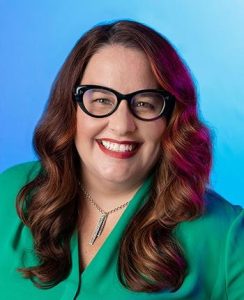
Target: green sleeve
234	259
11	182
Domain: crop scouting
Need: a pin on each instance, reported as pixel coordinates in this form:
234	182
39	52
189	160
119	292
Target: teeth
118	147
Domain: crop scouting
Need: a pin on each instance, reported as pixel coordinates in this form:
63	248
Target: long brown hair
49	204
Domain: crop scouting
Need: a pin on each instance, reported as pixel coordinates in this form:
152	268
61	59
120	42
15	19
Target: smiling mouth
124	147
118	147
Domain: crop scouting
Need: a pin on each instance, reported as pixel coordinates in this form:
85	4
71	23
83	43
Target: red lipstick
117	154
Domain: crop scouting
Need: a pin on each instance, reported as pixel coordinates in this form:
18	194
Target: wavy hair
150	258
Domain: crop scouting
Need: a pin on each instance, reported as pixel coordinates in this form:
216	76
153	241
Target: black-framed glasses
147	105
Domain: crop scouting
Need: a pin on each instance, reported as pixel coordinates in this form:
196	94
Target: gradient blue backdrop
37	36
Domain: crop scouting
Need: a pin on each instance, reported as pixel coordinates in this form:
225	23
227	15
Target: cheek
84	125
79	127
156	132
87	128
83	129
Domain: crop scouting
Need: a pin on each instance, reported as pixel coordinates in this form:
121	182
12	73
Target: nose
122	121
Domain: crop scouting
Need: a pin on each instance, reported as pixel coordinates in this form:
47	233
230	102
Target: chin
116	176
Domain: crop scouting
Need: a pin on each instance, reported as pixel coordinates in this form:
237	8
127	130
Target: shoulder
225	234
215	241
14	235
217	218
216	203
20	174
218	221
221	219
23	168
220	210
14	178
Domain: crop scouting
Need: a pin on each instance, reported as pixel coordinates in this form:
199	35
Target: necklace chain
88	196
102	220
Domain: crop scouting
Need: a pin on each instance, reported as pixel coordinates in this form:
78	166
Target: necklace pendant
99	228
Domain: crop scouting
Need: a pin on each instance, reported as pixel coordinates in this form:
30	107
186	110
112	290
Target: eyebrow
98	90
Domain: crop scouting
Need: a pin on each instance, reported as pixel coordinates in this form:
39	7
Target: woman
118	205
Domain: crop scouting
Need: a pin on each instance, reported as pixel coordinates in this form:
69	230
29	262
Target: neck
108	195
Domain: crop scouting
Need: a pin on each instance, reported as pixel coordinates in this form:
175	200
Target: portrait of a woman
118	204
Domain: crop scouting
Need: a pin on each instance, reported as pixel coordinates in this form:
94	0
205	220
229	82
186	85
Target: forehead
121	68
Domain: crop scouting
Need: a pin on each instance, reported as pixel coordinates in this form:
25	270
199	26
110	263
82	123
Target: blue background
37	36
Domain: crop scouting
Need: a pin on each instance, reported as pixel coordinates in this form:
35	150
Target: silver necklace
102	220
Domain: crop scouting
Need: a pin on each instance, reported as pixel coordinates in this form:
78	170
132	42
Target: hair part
49	204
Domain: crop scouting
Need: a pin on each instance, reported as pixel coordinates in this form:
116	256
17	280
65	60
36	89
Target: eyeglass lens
100	102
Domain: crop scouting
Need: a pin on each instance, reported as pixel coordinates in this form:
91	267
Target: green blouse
213	246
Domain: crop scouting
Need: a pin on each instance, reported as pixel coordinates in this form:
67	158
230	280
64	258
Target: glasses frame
166	111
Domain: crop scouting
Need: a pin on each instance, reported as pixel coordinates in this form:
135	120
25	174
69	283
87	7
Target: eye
143	105
104	101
